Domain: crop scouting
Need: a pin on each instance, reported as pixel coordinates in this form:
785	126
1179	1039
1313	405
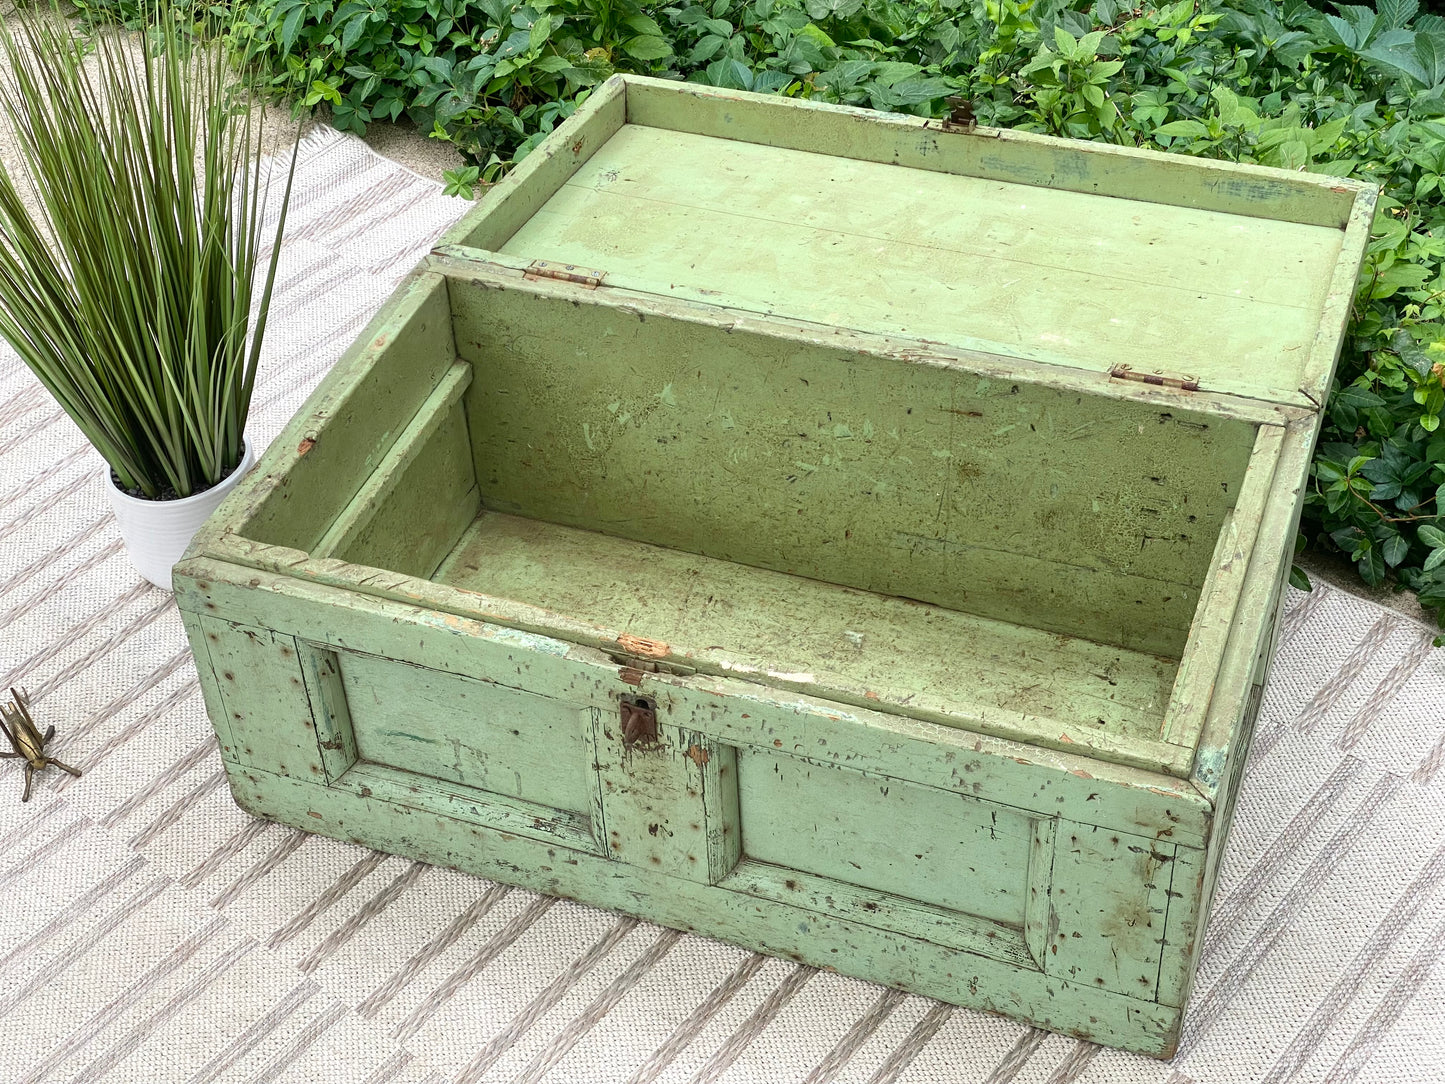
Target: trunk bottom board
812	634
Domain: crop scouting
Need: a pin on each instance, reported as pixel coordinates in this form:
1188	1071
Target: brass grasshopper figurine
26	739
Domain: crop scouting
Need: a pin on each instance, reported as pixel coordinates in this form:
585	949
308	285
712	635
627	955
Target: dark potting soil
166	494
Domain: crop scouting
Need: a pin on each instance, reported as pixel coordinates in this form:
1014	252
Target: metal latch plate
639	721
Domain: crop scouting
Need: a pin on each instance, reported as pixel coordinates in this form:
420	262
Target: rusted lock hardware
639	721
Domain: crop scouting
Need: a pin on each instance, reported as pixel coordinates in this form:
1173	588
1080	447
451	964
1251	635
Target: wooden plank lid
1181	272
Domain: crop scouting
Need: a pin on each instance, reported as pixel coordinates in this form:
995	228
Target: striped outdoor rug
152	932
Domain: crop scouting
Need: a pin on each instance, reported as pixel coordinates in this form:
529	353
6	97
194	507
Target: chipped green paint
952	625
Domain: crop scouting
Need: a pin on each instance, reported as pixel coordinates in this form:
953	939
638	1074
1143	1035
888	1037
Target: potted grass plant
131	232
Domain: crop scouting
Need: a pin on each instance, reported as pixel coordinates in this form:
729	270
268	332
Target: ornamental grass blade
127	282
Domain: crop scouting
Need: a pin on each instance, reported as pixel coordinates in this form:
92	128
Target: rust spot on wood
631	675
313	813
698	755
306	445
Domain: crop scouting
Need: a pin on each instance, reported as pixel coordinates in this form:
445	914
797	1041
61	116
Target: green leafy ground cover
1346	90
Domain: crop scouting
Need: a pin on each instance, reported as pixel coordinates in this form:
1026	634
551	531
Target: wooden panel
897	837
335	738
420	497
1213	624
455	728
1269	564
714	771
418	790
1017	157
525	189
312	470
1234	302
1191	890
881	910
864	648
256	678
199	637
654	808
432	630
1037	915
1091	517
851	948
1108	902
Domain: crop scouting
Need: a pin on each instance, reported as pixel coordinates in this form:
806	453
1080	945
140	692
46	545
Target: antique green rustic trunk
853	537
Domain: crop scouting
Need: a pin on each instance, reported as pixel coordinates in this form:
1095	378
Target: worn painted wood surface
654	801
948	652
420	497
1086	515
995	154
854	646
361	408
1230	300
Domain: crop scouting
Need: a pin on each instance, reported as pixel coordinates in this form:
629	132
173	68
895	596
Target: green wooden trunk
851	537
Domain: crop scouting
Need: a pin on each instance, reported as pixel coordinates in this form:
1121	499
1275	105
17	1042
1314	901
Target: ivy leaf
643	25
1396	13
845	75
647	47
291	27
1298	579
1432	536
352	34
1371	564
1394	549
1358	397
1392	471
1430	55
1350	539
1189	129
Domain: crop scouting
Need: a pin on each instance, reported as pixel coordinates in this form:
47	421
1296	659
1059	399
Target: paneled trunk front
931	840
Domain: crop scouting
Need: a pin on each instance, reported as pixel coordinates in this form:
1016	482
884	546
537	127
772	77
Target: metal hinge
585	277
631	667
1162	380
960	115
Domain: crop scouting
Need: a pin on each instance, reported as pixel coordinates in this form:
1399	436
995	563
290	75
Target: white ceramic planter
156	533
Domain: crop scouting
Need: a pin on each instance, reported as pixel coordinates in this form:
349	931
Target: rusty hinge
1162	380
632	668
585	277
639	721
